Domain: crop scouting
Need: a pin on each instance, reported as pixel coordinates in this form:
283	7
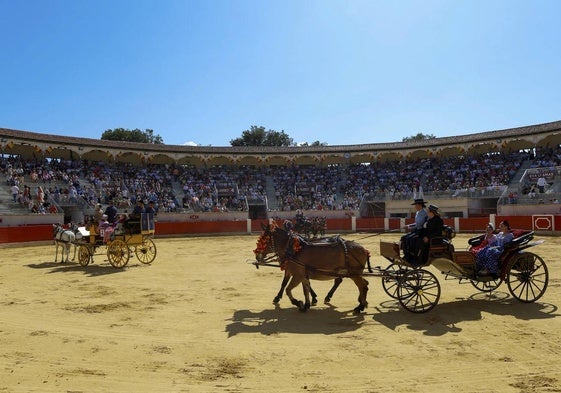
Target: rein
379	233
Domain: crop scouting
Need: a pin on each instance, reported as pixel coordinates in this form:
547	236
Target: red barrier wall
32	233
476	224
256	225
374	224
200	227
26	233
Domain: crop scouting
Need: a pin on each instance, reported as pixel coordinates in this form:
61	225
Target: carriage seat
132	226
521	237
476	241
441	246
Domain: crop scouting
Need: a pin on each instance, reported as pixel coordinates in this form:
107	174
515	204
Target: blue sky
339	72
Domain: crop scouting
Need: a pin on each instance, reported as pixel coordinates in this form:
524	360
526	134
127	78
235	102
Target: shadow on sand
92	270
445	317
290	320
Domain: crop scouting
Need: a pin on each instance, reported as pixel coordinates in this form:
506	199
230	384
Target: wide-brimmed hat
419	201
433	208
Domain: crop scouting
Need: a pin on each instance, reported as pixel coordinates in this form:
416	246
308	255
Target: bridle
262	249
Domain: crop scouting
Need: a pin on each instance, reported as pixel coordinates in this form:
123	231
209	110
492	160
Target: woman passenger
488	257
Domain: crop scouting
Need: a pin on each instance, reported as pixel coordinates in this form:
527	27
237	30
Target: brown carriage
418	290
121	242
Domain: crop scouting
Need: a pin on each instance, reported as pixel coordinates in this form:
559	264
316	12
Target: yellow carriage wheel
118	253
146	251
84	255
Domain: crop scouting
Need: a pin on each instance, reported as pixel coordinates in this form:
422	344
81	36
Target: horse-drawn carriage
418	290
415	287
310	227
121	242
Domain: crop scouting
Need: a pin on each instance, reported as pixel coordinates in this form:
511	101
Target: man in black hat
421	215
111	212
151	208
409	242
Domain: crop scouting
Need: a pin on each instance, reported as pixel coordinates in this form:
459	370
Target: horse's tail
368	262
363	256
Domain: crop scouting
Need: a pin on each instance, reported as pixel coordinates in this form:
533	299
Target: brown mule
318	261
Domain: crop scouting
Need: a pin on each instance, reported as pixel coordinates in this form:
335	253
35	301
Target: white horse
79	232
64	238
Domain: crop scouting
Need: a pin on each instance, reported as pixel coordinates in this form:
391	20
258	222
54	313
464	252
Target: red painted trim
30	233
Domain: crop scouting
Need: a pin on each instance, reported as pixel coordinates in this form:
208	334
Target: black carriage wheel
418	291
84	255
487	285
118	253
527	277
146	252
390	280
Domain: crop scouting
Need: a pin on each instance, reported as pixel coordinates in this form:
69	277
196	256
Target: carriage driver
133	221
111	212
433	228
409	241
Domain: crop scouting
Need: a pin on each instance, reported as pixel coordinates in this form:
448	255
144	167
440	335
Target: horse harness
291	252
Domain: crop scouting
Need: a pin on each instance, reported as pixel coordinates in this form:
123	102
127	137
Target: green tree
136	135
419	137
316	143
258	136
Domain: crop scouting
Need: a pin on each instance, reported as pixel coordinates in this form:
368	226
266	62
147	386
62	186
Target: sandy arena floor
201	319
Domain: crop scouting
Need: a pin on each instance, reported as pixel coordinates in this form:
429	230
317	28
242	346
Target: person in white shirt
15	192
541	183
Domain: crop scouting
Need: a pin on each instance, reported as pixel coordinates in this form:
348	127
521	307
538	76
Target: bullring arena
200	317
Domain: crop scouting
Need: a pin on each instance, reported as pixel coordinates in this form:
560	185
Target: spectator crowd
42	185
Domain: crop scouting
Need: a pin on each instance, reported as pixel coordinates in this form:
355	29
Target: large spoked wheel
118	253
146	252
527	277
487	284
390	280
418	291
84	255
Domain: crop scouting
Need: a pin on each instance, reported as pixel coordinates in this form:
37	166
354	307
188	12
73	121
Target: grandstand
475	175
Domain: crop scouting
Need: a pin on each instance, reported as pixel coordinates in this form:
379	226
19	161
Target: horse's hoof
314	302
276	300
358	309
326	300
